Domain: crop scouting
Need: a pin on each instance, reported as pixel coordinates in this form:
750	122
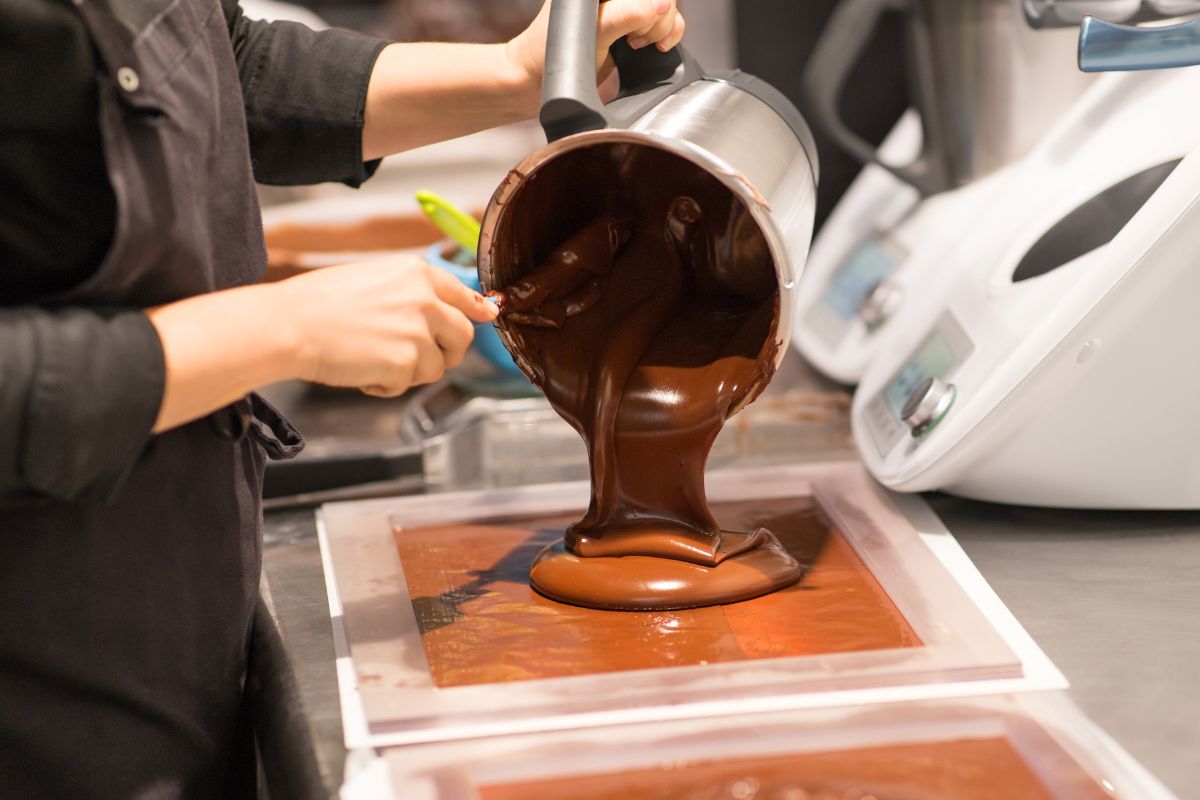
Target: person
133	333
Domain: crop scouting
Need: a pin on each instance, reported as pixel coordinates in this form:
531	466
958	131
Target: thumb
619	18
472	304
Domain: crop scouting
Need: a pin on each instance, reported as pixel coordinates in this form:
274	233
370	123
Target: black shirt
304	98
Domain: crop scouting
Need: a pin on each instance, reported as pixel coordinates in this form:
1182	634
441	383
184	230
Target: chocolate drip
647	324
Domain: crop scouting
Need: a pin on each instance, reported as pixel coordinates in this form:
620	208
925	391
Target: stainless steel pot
737	128
986	85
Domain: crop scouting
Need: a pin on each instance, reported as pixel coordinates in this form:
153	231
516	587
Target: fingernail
661	6
637	43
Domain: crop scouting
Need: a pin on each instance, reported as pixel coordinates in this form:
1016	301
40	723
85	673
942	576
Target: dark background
774	39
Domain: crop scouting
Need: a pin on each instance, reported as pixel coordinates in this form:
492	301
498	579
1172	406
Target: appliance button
879	304
927	405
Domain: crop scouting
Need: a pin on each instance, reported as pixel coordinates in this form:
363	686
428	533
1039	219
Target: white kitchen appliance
985	87
881	245
1062	365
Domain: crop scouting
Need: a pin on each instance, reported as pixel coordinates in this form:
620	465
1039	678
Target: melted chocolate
482	623
641	297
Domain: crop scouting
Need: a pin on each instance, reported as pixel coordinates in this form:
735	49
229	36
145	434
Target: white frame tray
971	644
453	770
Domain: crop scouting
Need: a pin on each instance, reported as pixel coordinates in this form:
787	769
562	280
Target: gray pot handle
841	45
570	102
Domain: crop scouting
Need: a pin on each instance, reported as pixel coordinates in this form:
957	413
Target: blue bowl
487	342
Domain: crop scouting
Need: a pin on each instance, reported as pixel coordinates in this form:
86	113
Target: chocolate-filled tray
1036	747
442	637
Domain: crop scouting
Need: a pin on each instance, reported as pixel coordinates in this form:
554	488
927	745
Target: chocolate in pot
640	296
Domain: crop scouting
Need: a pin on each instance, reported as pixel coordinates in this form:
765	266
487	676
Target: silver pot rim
736	182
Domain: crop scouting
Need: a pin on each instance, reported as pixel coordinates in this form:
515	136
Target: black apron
124	647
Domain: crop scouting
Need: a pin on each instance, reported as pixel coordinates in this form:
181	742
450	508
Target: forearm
219	347
424	93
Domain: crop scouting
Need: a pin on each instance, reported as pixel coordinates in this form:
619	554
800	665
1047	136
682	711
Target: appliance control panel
832	315
937	357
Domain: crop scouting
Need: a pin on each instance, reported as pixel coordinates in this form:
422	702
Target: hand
645	22
381	326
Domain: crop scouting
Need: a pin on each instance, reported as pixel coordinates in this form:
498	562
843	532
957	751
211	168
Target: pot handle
570	102
839	48
1107	47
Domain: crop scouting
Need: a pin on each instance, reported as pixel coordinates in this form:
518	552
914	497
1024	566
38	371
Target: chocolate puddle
648	318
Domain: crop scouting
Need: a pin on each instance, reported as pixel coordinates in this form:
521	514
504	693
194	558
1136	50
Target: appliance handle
1106	47
841	45
570	100
1069	13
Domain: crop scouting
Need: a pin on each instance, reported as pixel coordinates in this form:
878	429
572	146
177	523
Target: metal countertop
1112	597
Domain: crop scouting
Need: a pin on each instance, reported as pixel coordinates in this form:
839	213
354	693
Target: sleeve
79	393
305	93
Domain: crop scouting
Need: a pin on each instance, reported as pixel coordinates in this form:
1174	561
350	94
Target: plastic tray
1031	747
390	695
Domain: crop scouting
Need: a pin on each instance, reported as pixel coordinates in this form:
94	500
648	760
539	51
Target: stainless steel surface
490	443
1069	13
997	85
927	404
731	134
880	303
293	589
1112	598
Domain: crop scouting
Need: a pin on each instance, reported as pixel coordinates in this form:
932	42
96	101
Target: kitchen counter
1112	597
1114	600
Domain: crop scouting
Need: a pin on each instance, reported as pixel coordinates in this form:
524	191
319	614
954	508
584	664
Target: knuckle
431	371
401	381
404	357
456	350
427	298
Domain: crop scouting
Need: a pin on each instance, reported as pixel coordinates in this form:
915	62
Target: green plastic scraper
451	220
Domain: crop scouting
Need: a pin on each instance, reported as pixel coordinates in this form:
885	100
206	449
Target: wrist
287	352
521	75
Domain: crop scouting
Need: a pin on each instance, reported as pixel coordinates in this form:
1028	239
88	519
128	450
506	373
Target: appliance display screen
934	359
860	273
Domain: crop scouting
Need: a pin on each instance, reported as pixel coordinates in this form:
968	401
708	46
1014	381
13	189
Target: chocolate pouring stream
641	297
